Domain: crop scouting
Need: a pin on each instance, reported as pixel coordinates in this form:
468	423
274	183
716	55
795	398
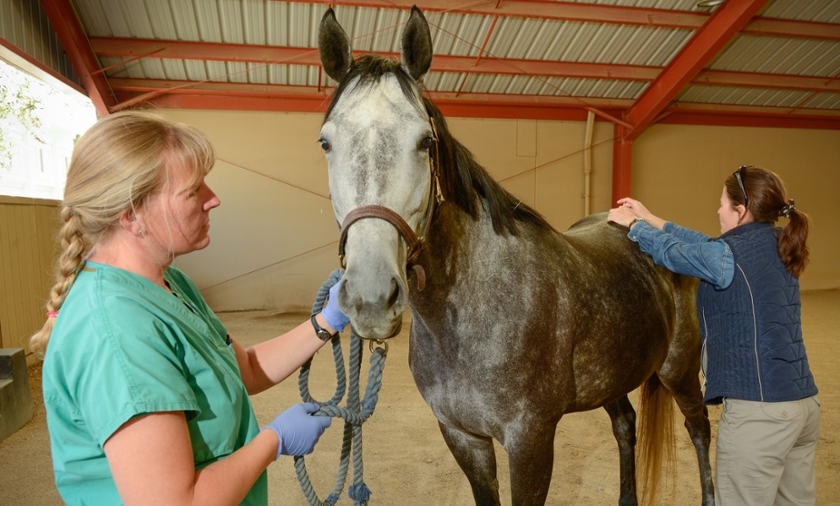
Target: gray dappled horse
516	324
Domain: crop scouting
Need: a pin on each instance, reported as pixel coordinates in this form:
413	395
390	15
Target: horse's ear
334	47
416	46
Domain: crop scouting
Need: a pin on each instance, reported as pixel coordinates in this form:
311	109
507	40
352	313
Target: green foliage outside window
18	102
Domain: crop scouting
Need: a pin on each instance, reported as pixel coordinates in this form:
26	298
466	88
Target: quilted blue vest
752	328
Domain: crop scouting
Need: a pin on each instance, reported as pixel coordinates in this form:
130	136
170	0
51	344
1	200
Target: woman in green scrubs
145	391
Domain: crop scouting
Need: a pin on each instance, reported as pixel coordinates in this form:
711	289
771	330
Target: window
39	123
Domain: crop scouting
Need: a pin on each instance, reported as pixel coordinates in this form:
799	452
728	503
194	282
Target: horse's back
627	311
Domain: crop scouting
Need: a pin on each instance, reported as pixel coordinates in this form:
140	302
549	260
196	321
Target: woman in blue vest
146	394
754	359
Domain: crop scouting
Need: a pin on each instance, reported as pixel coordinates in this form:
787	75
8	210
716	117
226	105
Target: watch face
322	334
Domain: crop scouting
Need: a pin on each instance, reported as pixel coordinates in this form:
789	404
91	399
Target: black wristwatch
322	333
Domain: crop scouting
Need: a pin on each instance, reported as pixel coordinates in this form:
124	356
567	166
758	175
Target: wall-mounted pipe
587	163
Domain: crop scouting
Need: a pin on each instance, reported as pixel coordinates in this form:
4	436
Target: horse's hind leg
680	375
623	418
690	401
477	459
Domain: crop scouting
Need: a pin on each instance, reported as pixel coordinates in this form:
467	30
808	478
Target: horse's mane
463	180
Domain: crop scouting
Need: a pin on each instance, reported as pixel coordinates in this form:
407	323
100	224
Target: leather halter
413	241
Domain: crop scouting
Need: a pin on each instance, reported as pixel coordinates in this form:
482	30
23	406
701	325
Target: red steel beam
457	107
792	28
543	9
150	48
74	41
129	88
299	103
733	109
691	59
596	13
127	47
160	86
722	118
762	80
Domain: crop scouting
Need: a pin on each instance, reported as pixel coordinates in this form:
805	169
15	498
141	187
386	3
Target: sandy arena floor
406	461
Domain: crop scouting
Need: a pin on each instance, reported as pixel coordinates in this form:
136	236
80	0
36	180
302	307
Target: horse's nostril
395	293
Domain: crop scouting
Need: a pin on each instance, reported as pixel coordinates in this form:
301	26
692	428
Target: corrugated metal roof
743	96
25	25
623	52
777	55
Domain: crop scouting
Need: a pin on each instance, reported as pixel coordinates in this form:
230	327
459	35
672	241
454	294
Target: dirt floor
405	459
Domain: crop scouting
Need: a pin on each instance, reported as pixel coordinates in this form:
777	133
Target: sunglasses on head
739	178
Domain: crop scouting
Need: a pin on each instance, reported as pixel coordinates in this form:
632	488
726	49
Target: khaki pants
765	453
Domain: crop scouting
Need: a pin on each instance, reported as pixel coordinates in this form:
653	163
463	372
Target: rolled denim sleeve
687	252
684	234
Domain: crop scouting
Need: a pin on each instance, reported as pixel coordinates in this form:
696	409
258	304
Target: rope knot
359	492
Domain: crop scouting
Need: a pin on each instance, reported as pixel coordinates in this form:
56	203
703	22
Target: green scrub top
123	346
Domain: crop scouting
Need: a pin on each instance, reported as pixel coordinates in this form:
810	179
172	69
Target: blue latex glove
332	313
297	430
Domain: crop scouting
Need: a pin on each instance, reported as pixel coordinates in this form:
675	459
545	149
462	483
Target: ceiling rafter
597	13
225	95
165	49
97	80
74	40
684	67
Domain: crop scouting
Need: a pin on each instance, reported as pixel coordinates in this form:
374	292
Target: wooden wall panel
27	250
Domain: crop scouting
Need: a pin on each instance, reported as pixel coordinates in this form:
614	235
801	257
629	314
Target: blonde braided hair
116	166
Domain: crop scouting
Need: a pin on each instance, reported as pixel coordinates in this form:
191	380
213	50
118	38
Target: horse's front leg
623	418
530	450
477	459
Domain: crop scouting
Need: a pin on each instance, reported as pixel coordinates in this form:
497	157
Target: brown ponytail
766	201
792	248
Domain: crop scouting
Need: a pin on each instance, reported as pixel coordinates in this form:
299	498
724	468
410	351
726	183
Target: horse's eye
324	145
426	143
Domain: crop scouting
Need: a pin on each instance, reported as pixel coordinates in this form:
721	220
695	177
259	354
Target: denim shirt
685	251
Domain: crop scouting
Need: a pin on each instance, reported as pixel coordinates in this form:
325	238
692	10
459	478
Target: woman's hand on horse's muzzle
332	312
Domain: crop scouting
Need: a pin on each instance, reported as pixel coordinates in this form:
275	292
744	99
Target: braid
116	165
69	263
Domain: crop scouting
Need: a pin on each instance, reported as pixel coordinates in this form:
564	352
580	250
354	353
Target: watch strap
321	332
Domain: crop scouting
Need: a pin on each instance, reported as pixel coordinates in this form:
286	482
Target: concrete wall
274	237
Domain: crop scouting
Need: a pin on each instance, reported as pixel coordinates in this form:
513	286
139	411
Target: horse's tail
657	445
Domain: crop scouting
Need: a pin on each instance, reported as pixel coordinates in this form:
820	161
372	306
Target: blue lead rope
354	414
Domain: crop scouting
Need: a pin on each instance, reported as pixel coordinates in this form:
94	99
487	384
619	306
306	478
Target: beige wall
678	172
274	237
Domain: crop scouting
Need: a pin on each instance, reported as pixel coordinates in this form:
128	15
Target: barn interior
570	105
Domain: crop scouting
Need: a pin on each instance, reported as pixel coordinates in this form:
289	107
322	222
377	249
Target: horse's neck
457	242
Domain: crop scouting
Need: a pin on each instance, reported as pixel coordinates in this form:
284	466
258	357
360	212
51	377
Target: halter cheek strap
413	241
